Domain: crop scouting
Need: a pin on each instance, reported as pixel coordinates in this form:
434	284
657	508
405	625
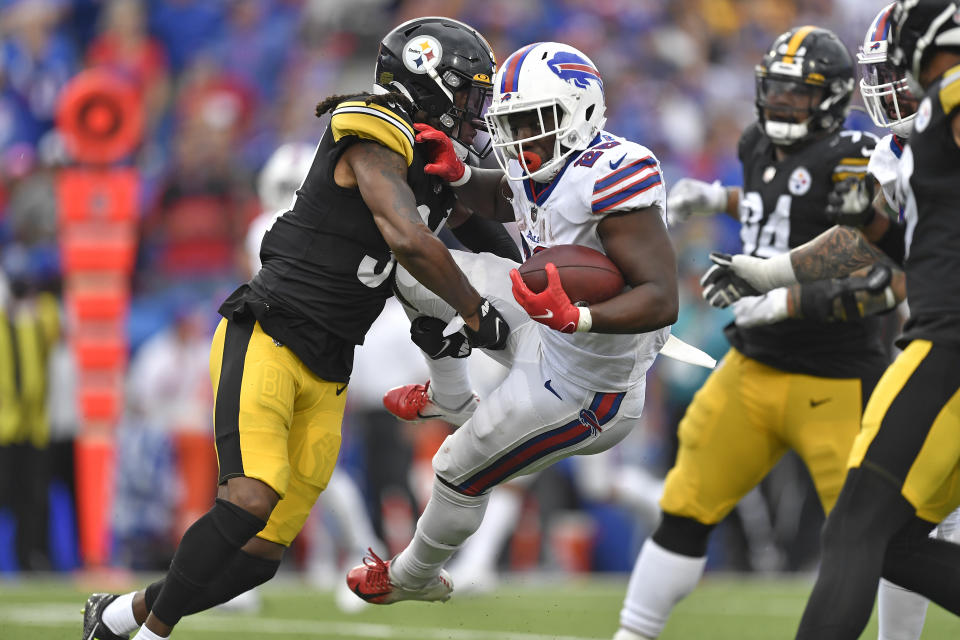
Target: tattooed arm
381	177
838	251
835	276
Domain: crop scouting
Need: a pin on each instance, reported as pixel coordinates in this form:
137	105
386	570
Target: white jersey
883	167
612	175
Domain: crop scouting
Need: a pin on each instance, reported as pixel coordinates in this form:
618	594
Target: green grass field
721	608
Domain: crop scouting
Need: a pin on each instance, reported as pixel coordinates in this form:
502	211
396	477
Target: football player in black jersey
281	358
796	375
904	473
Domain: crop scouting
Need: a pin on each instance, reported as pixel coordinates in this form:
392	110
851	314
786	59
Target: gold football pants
911	428
743	419
274	421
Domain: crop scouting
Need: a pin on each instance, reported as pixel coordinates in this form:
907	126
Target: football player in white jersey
577	374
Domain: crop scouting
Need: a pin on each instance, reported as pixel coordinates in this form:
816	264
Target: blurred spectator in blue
36	60
186	27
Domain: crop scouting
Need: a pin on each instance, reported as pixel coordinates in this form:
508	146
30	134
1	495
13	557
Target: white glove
695	197
763	274
758	310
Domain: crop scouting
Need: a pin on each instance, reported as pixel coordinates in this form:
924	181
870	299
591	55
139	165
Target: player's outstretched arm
638	243
381	177
692	197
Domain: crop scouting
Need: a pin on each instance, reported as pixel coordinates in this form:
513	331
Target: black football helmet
804	85
921	27
431	59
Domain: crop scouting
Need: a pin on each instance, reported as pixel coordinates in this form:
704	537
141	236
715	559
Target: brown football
586	275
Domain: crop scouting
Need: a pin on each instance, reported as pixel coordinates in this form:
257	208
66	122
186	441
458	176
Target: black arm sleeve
483	234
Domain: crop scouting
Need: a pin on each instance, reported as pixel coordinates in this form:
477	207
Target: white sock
447	521
901	612
450	382
640	491
481	550
118	616
146	634
660	580
344	501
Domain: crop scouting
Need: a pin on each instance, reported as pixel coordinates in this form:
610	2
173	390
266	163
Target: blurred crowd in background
224	83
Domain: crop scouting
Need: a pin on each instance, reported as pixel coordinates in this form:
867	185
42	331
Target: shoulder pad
627	177
389	127
748	141
950	90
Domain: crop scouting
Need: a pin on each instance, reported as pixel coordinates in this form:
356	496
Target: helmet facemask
887	97
543	121
787	109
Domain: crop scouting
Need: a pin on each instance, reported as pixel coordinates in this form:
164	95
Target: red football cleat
415	403
371	581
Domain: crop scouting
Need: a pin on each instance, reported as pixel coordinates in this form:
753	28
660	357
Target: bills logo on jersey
422	54
574	69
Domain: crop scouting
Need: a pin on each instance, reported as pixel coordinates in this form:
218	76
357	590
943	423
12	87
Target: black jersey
327	271
928	183
783	206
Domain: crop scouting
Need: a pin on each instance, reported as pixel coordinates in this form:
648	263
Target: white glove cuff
768	274
716	195
586	320
464	179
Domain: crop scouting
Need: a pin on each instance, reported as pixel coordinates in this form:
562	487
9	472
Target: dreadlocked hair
381	100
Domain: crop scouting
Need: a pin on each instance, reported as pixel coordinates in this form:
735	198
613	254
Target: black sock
205	550
244	572
869	511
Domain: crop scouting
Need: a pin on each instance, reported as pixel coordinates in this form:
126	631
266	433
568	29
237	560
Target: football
586	275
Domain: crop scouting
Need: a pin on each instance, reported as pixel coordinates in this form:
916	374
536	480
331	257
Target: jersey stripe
624	172
855	161
511	75
603	408
795	42
950	90
373	122
607	202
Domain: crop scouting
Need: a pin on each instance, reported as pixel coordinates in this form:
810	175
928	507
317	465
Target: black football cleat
93	626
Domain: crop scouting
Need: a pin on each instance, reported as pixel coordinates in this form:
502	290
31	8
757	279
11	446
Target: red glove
551	306
443	160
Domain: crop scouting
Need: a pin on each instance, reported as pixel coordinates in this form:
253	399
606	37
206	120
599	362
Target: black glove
851	202
493	331
427	333
721	286
836	299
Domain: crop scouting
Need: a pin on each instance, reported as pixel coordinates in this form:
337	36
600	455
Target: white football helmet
545	78
283	174
885	92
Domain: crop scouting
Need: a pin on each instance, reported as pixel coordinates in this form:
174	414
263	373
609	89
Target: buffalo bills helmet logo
574	69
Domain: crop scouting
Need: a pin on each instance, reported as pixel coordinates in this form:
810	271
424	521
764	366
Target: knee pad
235	524
683	535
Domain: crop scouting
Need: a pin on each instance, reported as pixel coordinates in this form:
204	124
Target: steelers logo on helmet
804	84
443	67
422	54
